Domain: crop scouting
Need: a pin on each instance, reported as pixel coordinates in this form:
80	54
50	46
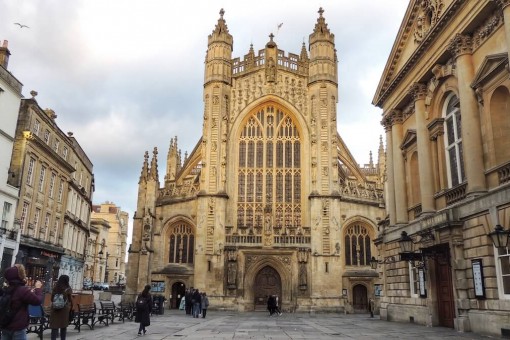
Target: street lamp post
106	268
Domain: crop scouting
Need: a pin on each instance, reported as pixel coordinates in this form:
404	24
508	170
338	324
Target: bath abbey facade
270	201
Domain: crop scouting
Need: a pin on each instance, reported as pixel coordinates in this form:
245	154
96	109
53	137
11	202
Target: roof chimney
4	54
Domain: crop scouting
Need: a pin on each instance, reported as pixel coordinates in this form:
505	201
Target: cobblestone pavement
176	324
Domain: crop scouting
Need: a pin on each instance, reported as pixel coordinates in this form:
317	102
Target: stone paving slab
176	324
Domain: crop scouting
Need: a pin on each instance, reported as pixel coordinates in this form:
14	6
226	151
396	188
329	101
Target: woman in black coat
143	309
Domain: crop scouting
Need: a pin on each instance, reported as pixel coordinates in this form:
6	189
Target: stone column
399	175
461	48
390	183
505	7
419	92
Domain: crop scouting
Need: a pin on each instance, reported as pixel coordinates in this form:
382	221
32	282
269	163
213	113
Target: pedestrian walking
143	309
187	300
277	306
205	304
60	310
20	297
271	304
197	301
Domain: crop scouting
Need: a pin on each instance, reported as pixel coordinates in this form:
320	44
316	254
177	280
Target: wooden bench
38	320
86	316
107	311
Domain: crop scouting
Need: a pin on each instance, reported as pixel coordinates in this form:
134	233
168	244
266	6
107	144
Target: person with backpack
61	306
205	304
14	303
143	309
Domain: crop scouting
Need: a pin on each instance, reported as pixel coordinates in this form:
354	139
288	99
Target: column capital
397	117
418	91
460	44
386	123
502	3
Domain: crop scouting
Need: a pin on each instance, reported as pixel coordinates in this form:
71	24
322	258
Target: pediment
422	21
491	66
409	139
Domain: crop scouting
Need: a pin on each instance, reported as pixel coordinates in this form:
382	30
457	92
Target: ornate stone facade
263	203
445	99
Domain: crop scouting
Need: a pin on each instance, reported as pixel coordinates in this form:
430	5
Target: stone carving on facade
325	171
231	257
360	190
439	72
270	71
303	254
429	16
418	91
211	206
490	25
460	44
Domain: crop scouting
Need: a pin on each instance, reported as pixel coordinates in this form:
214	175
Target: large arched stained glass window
269	175
182	243
357	246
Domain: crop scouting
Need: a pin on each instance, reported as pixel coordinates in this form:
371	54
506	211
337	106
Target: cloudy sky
126	76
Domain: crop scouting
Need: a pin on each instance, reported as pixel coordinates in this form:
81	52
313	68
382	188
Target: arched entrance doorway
267	282
360	299
178	290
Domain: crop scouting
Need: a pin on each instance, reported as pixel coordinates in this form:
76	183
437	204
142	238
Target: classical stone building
270	201
10	97
111	223
56	184
445	93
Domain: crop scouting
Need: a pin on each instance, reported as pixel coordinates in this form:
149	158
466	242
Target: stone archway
266	282
178	290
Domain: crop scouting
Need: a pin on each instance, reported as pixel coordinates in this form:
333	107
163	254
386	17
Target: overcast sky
126	76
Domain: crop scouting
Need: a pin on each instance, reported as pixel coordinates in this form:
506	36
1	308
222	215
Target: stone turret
323	58
217	91
218	65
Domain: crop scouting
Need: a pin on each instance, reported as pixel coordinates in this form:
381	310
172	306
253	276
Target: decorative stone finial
222	12
33	94
320	11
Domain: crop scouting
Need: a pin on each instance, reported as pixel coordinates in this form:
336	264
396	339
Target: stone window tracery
182	243
357	246
269	181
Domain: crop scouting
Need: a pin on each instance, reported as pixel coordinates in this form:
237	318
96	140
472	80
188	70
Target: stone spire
250	58
145	168
153	171
321	31
220	32
381	162
371	162
303	56
172	160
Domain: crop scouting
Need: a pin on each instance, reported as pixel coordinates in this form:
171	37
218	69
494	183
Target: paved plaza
176	324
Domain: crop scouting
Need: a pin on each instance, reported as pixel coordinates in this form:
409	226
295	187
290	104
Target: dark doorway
445	302
178	290
360	299
267	282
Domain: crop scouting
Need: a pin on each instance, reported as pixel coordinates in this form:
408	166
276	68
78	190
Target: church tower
141	250
270	201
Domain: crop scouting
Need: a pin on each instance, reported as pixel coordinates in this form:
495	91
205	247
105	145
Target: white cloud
126	75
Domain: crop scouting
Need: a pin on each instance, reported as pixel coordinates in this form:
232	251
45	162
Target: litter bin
158	304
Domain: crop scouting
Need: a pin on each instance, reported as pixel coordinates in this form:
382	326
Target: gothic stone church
270	201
